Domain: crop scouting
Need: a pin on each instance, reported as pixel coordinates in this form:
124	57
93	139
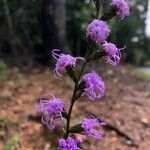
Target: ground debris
125	108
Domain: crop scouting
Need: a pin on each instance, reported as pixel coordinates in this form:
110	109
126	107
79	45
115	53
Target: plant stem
68	119
105	17
82	69
73	99
70	111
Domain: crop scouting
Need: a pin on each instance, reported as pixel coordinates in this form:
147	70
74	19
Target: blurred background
30	29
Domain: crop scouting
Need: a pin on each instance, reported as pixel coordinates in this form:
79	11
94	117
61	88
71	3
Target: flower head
89	126
98	31
68	144
63	61
51	109
122	8
113	54
94	86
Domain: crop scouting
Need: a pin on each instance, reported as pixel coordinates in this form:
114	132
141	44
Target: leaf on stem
96	55
80	90
76	129
65	115
71	73
109	14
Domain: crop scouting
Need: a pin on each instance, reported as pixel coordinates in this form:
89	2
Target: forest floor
125	107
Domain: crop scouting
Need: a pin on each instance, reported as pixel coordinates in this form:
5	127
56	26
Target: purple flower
94	86
51	109
68	144
122	8
89	126
63	61
113	54
98	31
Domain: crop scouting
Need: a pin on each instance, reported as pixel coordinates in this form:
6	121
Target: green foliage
20	80
12	142
16	75
3	121
27	27
145	72
4	96
25	16
4	71
79	13
122	34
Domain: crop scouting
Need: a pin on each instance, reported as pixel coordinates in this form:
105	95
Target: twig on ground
120	132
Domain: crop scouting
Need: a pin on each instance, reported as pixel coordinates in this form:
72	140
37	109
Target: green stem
105	17
73	99
70	111
68	119
82	69
71	107
86	58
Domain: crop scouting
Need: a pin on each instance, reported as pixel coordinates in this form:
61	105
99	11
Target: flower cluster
63	61
68	144
122	8
98	31
51	109
89	126
113	53
89	84
94	86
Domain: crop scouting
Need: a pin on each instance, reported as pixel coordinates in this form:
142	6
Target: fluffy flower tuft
113	54
89	126
98	31
63	60
51	109
94	86
68	144
122	8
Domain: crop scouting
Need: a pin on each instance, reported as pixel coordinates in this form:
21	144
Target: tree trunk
10	26
54	24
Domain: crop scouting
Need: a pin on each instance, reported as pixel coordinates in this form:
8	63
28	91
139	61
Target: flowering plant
90	84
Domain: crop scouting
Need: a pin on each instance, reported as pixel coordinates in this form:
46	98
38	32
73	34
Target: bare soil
125	107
